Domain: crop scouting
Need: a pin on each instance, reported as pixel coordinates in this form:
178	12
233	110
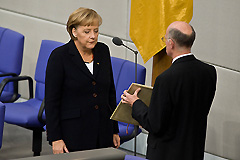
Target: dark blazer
177	116
79	104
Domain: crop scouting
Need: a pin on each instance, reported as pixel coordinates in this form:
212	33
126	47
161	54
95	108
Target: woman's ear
74	32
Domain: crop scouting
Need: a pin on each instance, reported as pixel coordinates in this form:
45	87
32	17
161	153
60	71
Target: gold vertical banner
149	20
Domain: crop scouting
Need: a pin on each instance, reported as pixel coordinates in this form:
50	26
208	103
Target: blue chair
2	114
124	76
29	114
130	157
11	53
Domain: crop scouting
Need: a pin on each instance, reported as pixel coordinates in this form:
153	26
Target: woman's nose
93	34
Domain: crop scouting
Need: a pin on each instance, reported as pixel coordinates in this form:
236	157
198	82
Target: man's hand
59	147
128	98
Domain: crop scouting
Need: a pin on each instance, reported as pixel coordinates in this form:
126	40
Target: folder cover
123	111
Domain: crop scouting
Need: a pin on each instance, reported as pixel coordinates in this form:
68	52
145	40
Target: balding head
182	33
181	26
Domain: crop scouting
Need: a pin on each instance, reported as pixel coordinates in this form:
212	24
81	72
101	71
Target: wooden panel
161	62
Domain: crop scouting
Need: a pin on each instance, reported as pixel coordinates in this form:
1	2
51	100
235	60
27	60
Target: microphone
117	41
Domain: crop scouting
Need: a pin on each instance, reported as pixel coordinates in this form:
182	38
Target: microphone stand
117	41
135	126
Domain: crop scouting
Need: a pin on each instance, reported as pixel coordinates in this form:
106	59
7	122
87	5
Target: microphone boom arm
136	52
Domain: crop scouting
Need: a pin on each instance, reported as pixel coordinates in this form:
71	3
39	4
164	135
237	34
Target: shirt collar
180	56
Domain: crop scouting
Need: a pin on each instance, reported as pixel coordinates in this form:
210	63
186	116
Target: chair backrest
11	53
47	46
124	75
2	115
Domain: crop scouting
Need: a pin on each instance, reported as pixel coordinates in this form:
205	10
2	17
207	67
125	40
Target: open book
123	111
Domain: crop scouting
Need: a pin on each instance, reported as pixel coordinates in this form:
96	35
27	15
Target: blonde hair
83	17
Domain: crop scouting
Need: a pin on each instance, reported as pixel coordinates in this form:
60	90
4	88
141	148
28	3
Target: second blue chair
27	114
124	76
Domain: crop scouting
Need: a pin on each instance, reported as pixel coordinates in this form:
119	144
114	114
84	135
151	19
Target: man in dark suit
182	96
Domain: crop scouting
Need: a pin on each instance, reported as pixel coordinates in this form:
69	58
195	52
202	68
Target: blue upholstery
123	133
2	114
124	76
130	157
23	114
26	114
11	53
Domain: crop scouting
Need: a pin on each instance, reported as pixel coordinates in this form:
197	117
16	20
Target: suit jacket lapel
77	59
97	60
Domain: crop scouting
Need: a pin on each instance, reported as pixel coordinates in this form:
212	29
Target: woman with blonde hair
79	89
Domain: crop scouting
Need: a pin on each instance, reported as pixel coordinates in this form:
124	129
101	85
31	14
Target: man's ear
171	43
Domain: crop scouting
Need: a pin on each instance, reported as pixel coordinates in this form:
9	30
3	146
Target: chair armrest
40	113
15	87
17	79
8	74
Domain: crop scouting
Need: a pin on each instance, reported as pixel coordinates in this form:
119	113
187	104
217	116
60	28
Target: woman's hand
59	147
116	140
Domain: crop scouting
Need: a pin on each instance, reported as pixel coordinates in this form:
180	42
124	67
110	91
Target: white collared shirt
90	66
183	55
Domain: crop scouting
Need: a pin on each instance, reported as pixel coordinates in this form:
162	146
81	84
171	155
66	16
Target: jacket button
96	107
94	95
94	83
